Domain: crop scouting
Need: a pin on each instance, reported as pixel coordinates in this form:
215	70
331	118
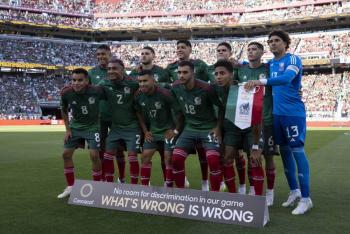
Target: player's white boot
120	182
222	186
242	189
66	192
205	185
251	190
187	183
292	198
269	197
304	205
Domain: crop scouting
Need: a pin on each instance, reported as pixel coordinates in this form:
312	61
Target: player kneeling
83	100
157	107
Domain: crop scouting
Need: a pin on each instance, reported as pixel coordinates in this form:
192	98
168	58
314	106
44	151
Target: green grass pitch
31	176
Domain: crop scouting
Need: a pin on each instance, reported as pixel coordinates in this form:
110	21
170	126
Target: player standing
96	75
157	106
83	100
183	52
125	126
289	118
224	52
196	99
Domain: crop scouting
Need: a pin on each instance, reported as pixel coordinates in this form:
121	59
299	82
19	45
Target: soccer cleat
122	182
304	205
187	183
292	198
269	197
222	186
251	190
242	189
205	185
66	192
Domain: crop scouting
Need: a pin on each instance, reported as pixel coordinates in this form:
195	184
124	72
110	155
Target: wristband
255	147
176	131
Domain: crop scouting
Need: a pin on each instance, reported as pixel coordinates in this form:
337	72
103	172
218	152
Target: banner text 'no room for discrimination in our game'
183	203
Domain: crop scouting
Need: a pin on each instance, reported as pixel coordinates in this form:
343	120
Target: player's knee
67	155
94	155
145	160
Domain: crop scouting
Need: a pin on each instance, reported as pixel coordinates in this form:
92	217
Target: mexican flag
244	108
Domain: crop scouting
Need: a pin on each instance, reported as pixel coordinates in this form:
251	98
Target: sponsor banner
218	207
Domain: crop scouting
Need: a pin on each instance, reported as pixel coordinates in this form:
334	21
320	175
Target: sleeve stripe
293	68
292	59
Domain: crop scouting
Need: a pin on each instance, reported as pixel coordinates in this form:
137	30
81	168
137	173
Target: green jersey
96	75
200	70
121	100
245	73
157	109
160	75
84	106
197	105
211	72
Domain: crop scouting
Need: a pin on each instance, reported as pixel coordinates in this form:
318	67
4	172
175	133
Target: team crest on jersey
110	88
97	77
244	77
158	105
126	90
181	98
91	100
281	66
143	104
156	77
262	76
197	101
74	102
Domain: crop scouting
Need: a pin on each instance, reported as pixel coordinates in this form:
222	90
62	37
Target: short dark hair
281	34
146	72
186	63
186	42
80	71
104	47
226	44
149	48
116	60
224	63
257	44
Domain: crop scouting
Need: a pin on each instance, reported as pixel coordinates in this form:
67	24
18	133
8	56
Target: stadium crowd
52	52
46	52
45	18
321	93
18	99
234	17
66	6
246	17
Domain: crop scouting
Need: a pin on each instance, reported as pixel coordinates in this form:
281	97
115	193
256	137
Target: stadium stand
326	94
